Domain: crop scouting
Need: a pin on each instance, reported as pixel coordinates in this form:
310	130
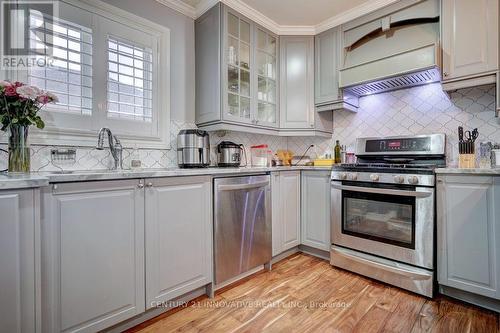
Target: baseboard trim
322	254
482	301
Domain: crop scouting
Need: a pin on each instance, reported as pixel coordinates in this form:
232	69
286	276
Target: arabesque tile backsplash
420	110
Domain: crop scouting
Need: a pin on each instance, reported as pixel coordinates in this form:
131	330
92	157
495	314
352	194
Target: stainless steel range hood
394	48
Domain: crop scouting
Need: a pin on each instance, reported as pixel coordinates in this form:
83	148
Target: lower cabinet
113	249
178	237
315	221
19	261
93	255
468	230
285	189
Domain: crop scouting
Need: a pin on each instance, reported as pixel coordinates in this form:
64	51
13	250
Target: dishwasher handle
235	187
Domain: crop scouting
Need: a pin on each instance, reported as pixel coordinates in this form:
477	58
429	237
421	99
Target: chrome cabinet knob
445	74
399	179
374	177
140	185
149	184
413	180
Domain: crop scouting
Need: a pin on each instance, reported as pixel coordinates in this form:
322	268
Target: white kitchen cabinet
315	221
470	42
93	255
285	192
327	54
468	233
19	261
297	113
178	237
236	73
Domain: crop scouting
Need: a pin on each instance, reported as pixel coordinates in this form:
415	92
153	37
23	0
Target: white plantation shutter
130	81
105	73
131	88
70	77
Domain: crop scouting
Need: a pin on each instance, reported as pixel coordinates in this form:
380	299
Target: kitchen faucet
114	146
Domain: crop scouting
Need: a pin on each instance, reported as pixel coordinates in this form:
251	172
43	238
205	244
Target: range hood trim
429	51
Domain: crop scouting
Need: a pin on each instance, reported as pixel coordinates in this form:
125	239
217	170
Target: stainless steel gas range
383	213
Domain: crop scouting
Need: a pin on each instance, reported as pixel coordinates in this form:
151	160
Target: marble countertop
39	179
169	172
474	171
20	181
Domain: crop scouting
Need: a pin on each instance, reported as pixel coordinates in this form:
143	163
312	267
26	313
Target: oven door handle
382	191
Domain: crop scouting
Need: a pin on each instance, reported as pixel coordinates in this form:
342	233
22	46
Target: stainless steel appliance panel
420	253
411	278
403	145
242	225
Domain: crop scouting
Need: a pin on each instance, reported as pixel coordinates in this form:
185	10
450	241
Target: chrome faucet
114	146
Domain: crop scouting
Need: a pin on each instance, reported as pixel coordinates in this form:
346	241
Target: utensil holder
467	161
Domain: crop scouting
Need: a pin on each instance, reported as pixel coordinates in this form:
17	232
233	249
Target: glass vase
19	150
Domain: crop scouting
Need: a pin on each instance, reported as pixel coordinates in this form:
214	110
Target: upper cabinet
327	94
297	89
470	42
236	73
240	84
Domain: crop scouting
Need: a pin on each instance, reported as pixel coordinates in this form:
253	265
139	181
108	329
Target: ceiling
301	12
287	17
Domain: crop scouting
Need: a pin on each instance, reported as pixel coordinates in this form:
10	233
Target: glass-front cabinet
266	77
238	68
249	72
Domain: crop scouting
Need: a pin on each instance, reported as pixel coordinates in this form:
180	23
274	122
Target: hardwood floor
305	294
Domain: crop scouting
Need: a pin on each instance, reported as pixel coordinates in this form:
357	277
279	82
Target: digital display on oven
409	145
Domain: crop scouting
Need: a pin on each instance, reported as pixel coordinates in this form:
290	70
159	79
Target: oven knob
374	177
413	180
399	179
342	176
353	176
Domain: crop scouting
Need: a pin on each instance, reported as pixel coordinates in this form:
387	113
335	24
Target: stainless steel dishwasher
242	228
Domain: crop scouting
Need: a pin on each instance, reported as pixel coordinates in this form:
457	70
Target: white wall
182	52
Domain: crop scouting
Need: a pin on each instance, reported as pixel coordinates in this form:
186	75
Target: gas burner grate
390	165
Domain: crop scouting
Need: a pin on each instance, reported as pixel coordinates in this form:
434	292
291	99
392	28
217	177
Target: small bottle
337	150
343	156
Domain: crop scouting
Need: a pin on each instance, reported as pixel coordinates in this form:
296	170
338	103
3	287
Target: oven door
390	221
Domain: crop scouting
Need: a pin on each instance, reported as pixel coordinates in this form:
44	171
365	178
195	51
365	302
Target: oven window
379	217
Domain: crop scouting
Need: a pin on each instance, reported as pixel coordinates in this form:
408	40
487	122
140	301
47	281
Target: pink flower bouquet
20	104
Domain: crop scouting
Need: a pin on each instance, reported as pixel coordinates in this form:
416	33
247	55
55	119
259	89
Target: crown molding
204	6
253	15
180	7
352	14
256	16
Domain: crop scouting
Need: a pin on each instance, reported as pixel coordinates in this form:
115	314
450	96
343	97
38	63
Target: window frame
85	135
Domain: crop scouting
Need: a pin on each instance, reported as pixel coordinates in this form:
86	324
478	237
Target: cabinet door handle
149	184
446	74
140	185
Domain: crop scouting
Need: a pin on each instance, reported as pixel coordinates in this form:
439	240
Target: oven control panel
389	145
433	144
383	177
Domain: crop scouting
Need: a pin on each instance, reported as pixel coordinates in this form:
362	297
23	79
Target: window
70	78
105	73
130	81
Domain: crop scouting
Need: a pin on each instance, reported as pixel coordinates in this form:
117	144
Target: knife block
466	161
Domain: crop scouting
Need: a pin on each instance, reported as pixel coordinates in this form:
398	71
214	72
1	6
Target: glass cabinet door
266	78
238	68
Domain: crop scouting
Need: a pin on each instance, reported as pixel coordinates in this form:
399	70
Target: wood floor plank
305	294
405	315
